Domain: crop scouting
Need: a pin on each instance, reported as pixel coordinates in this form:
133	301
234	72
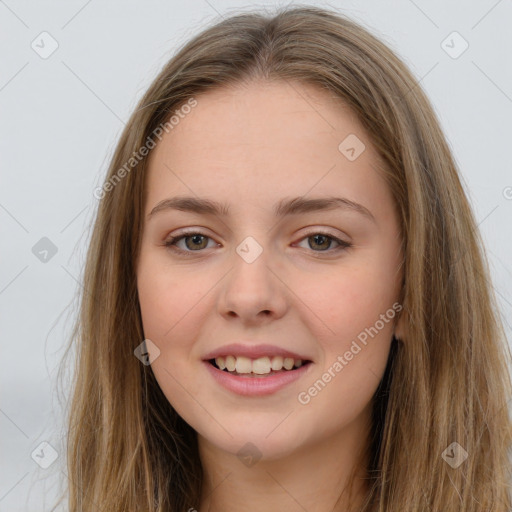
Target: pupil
195	238
316	237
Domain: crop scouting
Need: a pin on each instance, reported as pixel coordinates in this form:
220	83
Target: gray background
60	119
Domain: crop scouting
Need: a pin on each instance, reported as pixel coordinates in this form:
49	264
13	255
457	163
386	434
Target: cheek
169	302
167	295
348	301
172	304
355	341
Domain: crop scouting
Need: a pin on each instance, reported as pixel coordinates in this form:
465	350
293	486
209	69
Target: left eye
197	242
323	239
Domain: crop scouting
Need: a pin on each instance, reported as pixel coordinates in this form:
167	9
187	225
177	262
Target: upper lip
253	352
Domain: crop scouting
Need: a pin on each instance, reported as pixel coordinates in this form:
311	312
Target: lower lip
256	386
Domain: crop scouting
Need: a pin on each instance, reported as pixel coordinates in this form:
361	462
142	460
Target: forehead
263	140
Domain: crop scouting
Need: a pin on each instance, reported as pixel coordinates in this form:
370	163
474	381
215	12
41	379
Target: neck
327	475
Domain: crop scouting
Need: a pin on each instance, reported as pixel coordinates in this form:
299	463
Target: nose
252	290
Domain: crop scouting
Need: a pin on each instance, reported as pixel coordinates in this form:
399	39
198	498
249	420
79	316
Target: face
311	282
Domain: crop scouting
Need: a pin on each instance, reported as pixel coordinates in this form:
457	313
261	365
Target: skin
251	146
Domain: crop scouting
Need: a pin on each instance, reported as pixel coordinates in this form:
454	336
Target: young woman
287	305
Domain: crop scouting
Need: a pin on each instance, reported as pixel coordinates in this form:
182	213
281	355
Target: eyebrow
294	206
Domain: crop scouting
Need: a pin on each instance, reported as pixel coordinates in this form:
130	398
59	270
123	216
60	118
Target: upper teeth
259	366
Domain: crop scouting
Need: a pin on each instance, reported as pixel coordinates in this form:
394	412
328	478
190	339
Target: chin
259	440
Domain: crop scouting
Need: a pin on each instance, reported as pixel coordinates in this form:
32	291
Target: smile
256	377
241	365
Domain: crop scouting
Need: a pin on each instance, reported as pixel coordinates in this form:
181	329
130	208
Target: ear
400	331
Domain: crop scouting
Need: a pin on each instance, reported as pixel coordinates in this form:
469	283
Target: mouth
262	367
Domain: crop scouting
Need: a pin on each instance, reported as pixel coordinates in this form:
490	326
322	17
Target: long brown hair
447	379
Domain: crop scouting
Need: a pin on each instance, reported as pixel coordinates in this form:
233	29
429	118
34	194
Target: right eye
196	243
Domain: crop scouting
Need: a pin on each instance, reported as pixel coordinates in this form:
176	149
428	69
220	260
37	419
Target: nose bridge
251	286
251	266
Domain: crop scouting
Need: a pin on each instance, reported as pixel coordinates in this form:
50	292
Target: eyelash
170	243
